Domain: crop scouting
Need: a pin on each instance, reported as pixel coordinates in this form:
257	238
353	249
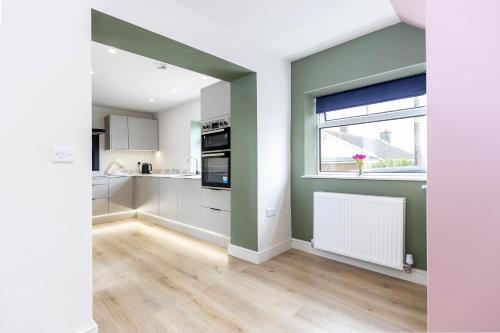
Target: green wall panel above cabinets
393	52
114	32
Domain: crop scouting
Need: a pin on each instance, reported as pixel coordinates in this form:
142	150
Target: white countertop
154	175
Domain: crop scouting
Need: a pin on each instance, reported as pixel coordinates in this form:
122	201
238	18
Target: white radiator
364	227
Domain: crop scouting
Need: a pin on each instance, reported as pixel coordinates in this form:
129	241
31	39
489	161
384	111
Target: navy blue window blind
411	86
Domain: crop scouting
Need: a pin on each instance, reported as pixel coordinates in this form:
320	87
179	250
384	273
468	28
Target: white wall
175	136
273	90
274	127
45	224
129	159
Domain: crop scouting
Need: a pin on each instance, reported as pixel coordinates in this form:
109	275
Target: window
392	135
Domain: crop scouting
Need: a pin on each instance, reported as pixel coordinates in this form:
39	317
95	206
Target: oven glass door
216	170
219	139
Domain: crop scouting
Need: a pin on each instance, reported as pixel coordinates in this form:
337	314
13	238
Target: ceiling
129	81
411	12
296	28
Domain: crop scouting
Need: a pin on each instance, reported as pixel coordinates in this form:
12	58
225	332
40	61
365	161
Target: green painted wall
389	49
244	162
114	32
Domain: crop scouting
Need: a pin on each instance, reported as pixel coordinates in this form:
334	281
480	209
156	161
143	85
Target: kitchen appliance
146	168
216	135
96	132
216	170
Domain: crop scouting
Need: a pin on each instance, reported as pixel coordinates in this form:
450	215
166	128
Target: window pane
400	104
347	113
392	146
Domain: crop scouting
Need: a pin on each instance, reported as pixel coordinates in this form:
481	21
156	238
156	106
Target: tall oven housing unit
216	175
216	158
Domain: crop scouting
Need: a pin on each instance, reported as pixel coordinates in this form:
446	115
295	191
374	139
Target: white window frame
416	111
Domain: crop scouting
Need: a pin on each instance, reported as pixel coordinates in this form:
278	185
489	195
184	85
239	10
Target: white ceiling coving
125	80
296	28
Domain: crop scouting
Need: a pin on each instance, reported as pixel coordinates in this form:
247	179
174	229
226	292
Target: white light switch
63	155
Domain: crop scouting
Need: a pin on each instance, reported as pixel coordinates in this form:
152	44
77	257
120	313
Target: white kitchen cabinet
147	198
142	134
99	191
216	198
120	194
99	180
189	201
215	220
116	132
168	198
216	101
99	195
99	206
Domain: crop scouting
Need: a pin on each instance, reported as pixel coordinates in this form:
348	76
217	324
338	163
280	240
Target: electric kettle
146	168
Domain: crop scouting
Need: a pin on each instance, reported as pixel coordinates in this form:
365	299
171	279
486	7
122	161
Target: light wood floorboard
150	279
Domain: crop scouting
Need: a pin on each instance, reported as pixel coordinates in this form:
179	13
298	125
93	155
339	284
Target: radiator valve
409	263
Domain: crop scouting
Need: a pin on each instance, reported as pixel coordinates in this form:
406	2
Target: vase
360	170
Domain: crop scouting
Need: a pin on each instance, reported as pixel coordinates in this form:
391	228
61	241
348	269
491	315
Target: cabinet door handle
216	209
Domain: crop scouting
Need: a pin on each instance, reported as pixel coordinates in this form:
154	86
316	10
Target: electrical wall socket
270	212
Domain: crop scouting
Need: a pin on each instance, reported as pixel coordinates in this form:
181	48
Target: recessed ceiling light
112	51
151	100
161	65
174	90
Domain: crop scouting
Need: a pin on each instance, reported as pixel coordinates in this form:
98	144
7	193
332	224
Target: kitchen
160	145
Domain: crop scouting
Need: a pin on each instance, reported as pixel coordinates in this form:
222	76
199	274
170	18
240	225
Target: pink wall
463	57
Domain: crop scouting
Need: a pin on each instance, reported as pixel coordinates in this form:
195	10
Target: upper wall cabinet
142	134
216	101
116	132
130	133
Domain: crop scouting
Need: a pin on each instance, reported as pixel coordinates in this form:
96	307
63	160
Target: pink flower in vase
360	161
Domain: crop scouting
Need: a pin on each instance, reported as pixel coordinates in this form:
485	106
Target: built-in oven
216	135
216	169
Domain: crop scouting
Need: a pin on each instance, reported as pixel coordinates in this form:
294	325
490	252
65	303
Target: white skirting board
113	217
417	275
89	329
206	235
258	257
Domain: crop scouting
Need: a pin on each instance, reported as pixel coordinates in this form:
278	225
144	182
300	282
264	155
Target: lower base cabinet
176	199
147	195
168	198
120	194
99	206
189	201
99	196
216	220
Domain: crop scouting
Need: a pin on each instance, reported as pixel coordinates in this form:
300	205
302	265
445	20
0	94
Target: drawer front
99	180
99	206
220	199
99	191
218	221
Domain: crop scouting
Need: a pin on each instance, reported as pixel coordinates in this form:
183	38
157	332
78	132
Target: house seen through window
392	135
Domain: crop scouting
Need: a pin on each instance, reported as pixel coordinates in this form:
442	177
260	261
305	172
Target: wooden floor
149	279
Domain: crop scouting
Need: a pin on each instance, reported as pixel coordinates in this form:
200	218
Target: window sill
348	175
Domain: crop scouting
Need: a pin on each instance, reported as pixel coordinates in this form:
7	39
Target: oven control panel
216	124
